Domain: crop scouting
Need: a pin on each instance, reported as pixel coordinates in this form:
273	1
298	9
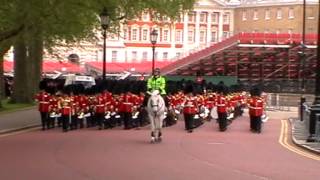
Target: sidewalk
300	134
299	131
18	120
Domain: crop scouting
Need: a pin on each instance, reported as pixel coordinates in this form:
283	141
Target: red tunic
221	104
255	106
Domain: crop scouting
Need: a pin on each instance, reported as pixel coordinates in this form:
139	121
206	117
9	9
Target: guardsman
255	105
222	111
43	98
190	108
126	107
54	110
65	105
100	110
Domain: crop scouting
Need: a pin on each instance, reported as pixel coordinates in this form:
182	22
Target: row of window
191	17
278	31
144	57
267	14
145	35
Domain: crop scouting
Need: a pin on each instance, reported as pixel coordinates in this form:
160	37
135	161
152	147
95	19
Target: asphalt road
127	154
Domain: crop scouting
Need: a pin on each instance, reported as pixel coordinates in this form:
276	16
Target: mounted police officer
157	82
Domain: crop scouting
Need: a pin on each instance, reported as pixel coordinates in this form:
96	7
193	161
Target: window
178	35
244	15
134	36
279	14
225	34
145	16
166	35
213	36
226	18
290	31
278	31
178	54
165	55
134	55
255	15
190	35
214	18
145	34
291	13
191	17
267	15
114	56
202	36
203	17
165	19
156	56
266	31
125	32
145	55
310	13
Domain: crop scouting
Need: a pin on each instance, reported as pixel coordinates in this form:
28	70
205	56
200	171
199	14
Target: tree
32	25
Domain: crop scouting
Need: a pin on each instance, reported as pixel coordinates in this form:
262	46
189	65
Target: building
209	22
275	16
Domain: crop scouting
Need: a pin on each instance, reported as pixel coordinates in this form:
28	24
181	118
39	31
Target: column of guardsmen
106	110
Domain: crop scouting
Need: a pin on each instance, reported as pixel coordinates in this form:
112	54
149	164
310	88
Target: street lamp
302	60
105	19
315	108
153	39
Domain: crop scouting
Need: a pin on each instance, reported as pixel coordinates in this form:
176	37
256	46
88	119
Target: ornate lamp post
315	109
153	39
105	19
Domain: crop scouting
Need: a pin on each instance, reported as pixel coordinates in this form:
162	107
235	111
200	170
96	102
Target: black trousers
222	120
188	121
45	119
255	123
127	116
65	122
100	119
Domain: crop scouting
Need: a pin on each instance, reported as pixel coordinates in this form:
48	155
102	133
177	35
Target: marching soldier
100	110
66	112
190	108
222	111
43	98
255	105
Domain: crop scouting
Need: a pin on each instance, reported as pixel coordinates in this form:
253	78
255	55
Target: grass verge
10	107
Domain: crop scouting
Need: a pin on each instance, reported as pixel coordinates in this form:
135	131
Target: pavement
19	120
30	118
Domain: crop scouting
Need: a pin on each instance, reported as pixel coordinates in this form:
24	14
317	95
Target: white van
86	81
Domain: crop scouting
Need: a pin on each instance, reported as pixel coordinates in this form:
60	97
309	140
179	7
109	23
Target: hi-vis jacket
157	84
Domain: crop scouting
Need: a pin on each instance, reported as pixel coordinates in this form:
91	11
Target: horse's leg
153	127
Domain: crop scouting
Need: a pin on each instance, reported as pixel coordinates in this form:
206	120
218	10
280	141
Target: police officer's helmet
157	70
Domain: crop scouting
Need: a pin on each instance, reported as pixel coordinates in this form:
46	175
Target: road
127	154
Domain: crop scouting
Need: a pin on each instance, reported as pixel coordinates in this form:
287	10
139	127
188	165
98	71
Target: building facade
276	16
209	22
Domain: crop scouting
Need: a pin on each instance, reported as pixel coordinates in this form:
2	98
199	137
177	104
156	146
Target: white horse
156	112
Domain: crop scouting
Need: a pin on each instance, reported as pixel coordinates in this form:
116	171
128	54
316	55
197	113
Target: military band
105	109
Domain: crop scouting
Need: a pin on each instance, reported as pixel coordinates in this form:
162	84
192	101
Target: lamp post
302	61
315	108
153	39
104	18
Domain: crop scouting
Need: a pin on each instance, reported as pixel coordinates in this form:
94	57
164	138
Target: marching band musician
255	105
100	110
222	111
65	104
190	108
83	108
43	98
54	110
126	107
